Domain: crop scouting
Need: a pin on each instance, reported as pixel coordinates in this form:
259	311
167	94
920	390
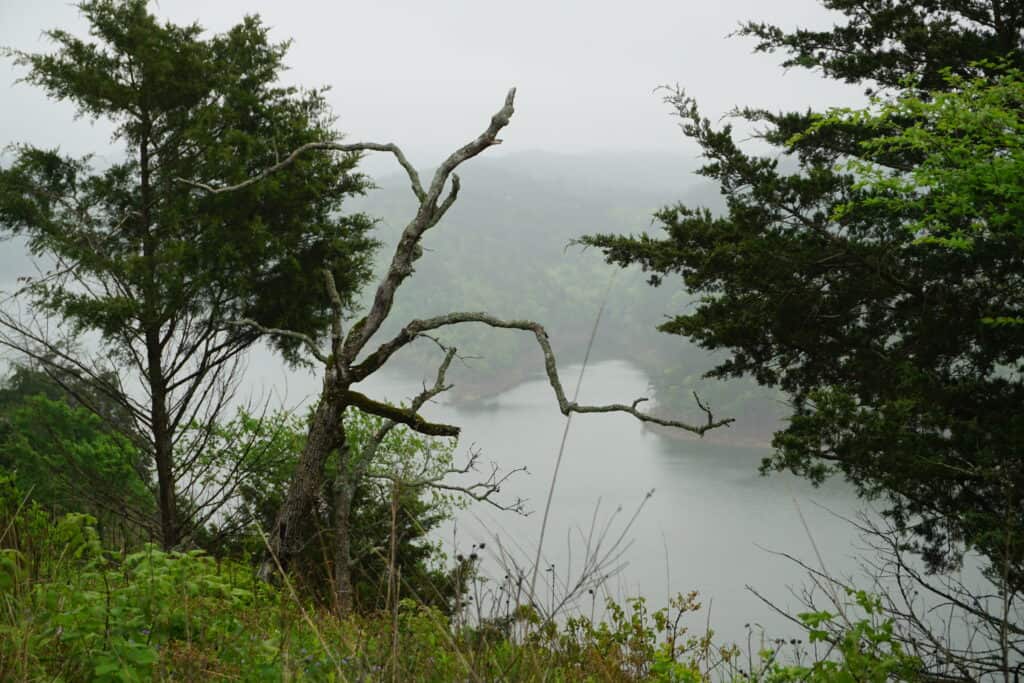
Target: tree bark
163	446
160	422
325	435
344	492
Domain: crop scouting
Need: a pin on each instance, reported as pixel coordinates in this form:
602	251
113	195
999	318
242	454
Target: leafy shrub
71	611
866	650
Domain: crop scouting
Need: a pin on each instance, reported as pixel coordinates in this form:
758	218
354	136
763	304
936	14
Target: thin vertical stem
565	435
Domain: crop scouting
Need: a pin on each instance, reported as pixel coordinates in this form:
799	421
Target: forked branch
430	212
415	328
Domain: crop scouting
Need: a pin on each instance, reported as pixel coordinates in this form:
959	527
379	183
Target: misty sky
428	75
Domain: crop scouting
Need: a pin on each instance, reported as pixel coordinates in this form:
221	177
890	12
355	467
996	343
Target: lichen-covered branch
337	309
415	328
370	449
400	415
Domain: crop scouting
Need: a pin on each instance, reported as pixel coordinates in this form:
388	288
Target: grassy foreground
71	610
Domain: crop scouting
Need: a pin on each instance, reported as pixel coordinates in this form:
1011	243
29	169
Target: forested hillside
508	247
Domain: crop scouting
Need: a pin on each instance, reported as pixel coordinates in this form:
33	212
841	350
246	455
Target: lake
712	525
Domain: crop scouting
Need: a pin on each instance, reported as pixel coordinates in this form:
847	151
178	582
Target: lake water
713	523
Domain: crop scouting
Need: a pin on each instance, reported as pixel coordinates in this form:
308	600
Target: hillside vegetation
508	247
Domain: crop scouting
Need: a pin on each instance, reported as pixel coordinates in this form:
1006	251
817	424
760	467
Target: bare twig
481	491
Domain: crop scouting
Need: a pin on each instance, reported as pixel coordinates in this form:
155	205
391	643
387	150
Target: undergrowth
74	611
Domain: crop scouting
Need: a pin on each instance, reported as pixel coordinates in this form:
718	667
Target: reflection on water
709	526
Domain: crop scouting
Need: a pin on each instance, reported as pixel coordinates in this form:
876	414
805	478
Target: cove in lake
712	525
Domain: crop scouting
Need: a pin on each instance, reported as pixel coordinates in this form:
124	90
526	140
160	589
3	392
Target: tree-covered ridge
509	247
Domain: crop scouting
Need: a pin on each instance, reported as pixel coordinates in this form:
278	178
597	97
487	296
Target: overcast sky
428	74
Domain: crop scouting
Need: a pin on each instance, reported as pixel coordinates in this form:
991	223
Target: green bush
71	611
866	650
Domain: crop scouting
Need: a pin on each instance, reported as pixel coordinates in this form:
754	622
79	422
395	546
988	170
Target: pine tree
813	282
152	264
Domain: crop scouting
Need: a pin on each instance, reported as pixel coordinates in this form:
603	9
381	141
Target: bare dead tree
359	466
341	360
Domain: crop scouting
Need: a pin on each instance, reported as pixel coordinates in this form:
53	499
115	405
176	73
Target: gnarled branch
327	146
427	216
415	328
370	449
401	415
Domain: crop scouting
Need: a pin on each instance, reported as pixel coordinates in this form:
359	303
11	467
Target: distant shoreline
465	393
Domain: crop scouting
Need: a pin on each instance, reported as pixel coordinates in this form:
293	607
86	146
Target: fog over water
428	76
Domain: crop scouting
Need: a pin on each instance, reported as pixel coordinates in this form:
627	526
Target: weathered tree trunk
160	422
344	492
163	454
325	435
163	443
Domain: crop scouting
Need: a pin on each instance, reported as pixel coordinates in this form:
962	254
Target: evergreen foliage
814	279
147	260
